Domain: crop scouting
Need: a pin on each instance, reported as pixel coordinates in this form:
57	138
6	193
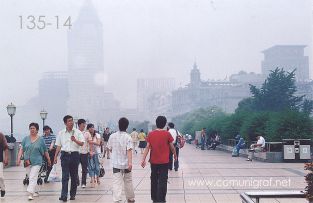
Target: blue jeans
69	164
93	165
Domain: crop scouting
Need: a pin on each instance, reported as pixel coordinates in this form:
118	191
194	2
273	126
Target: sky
149	38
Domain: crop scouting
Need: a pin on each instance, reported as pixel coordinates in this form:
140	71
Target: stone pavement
204	176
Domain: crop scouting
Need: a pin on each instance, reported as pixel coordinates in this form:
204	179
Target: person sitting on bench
258	147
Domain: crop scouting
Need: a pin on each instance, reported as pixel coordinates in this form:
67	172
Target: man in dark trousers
69	142
160	142
106	136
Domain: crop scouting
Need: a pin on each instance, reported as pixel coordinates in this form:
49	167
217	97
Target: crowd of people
85	146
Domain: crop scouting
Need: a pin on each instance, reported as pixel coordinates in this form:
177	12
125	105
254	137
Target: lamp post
76	121
11	109
43	115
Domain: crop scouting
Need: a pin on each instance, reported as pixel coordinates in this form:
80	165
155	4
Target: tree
276	93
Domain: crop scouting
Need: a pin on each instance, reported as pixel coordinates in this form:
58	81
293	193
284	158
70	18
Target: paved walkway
204	176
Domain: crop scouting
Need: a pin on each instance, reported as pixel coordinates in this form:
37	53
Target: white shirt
85	148
65	142
134	136
119	143
97	148
261	141
174	133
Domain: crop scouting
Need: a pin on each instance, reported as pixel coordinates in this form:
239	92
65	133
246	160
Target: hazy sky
150	38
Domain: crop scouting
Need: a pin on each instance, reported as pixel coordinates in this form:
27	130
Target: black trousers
51	155
176	163
159	176
84	163
69	164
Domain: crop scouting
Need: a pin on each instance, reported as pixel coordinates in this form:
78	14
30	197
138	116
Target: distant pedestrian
106	136
49	139
175	133
134	136
33	149
4	160
69	142
120	144
142	141
203	138
159	144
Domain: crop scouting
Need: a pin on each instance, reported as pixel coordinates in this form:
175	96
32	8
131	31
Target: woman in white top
93	159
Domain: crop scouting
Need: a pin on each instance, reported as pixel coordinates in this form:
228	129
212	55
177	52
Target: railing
247	197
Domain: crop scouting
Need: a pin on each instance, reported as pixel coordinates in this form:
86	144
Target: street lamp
43	115
11	109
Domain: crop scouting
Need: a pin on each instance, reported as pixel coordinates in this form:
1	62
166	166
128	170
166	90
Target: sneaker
64	199
36	194
108	158
2	193
72	198
30	197
249	160
83	186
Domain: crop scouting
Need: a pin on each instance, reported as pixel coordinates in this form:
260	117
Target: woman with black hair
33	149
94	151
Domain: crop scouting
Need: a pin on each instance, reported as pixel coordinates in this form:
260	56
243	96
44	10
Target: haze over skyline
150	39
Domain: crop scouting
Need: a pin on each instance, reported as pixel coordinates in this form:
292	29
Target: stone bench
271	157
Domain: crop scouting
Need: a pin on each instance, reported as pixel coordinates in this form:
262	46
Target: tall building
154	96
289	57
87	98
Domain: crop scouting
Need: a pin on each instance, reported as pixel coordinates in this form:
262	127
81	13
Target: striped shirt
49	139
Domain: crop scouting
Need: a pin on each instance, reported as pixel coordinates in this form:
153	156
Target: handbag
102	172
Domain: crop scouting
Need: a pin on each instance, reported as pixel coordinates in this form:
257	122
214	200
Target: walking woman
93	159
142	140
33	149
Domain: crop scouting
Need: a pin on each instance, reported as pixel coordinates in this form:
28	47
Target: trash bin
297	149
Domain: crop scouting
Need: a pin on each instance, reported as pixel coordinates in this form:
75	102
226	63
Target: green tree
276	93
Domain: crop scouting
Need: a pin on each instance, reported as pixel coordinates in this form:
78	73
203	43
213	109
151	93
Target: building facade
289	57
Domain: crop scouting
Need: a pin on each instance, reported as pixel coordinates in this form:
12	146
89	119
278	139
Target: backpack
180	140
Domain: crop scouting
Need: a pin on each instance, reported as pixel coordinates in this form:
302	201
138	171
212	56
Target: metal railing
247	197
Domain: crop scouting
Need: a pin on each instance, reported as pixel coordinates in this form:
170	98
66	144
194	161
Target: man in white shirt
83	151
120	144
174	134
258	147
69	142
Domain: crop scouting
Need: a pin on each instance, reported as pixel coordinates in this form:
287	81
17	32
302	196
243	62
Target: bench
247	197
271	157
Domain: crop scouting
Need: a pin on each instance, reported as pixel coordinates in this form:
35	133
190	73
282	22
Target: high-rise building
86	66
289	57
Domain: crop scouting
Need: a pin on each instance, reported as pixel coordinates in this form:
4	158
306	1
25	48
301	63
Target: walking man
106	136
49	139
83	151
160	142
174	134
69	142
120	144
